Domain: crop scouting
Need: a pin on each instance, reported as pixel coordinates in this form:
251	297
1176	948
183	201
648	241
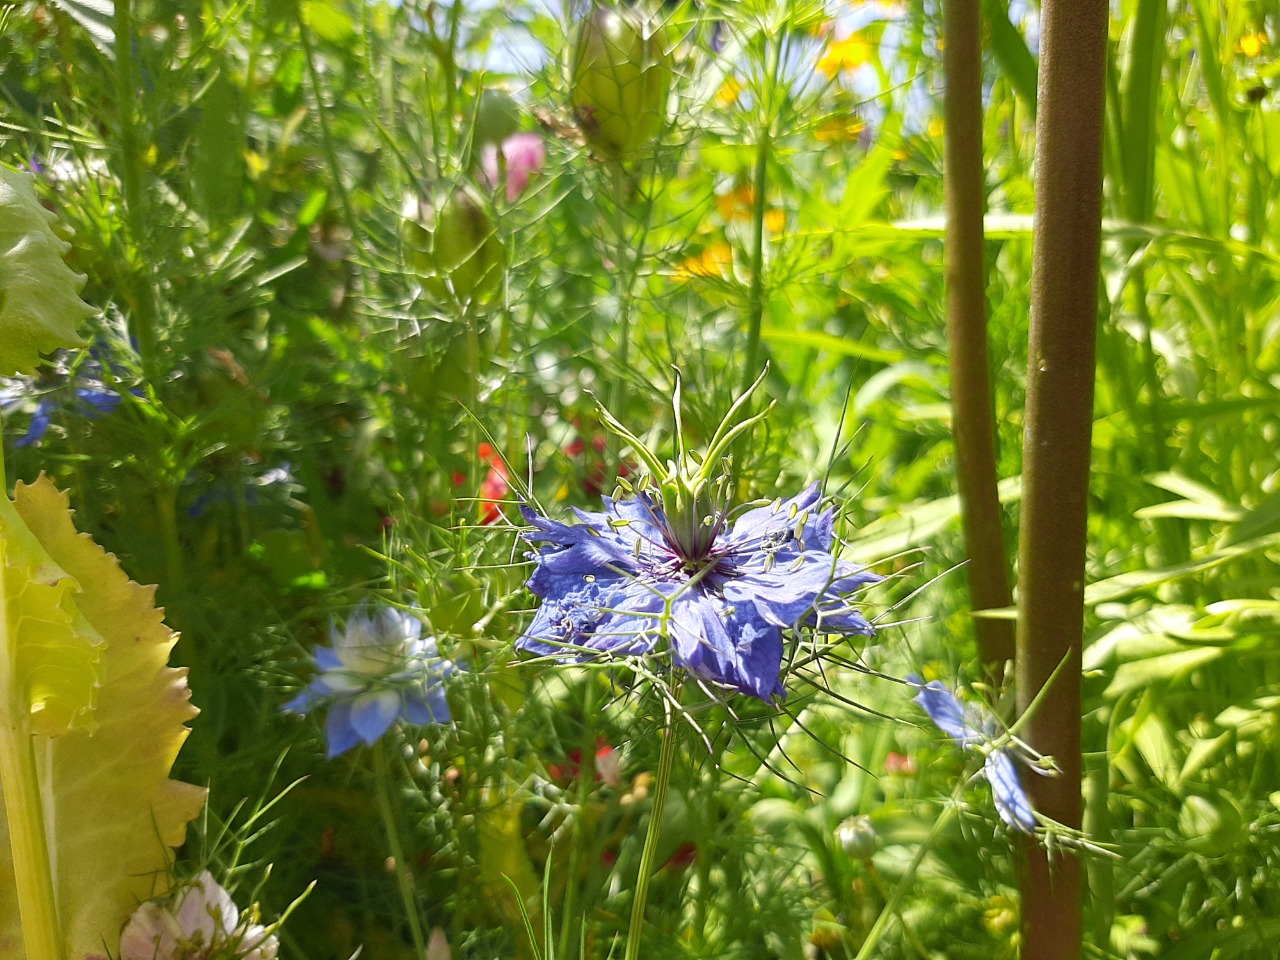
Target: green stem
326	135
662	781
142	316
893	906
755	293
404	877
476	469
625	264
24	812
28	844
581	835
451	73
167	511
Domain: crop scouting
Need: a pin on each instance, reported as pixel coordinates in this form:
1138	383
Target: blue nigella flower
976	728
380	669
717	595
80	390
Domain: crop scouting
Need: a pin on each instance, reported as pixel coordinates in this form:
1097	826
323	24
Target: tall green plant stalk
972	406
570	924
382	774
755	293
625	262
142	315
772	58
661	784
24	814
326	134
1136	114
24	811
1060	382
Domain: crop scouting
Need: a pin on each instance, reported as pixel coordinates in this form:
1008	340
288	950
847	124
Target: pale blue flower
717	594
976	728
380	669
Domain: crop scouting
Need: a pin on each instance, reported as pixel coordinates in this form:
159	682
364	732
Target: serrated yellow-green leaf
40	305
49	664
111	812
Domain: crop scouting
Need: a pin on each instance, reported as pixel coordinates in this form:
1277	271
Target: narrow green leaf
1012	53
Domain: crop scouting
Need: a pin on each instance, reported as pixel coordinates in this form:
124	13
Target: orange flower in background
715	261
775	220
736	204
843	55
1251	44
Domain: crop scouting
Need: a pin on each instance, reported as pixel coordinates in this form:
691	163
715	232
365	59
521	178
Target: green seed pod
497	116
620	79
453	246
857	837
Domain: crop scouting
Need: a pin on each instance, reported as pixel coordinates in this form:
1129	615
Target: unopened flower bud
453	246
857	837
621	77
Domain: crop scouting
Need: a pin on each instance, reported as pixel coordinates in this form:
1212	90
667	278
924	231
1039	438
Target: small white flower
200	923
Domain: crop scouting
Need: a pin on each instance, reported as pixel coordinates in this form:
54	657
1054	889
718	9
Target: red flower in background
494	487
897	764
608	767
684	855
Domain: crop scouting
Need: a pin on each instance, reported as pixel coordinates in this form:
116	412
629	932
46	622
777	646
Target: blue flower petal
760	654
1011	800
786	593
328	659
95	402
701	642
303	702
340	735
373	713
39	426
427	705
966	726
380	668
945	710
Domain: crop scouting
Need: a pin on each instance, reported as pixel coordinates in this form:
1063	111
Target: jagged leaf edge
105	865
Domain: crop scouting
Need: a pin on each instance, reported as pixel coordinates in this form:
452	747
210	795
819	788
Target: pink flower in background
202	922
523	155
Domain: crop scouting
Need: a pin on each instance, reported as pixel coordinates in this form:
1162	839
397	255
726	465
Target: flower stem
772	56
755	293
167	513
23	809
326	135
624	265
972	407
891	908
404	877
660	784
142	313
581	833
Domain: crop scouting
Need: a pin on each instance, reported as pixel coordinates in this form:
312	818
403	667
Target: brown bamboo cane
972	406
1056	454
